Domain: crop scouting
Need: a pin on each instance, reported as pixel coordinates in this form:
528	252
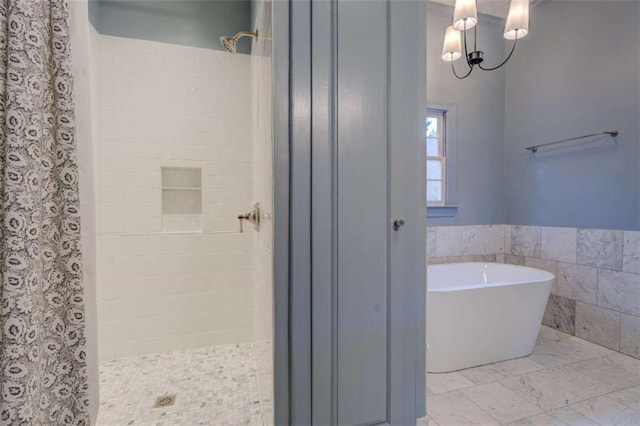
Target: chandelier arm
464	76
466	53
513	48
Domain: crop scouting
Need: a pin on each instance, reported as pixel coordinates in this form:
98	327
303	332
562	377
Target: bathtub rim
546	277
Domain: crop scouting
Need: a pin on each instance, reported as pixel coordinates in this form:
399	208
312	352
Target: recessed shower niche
181	199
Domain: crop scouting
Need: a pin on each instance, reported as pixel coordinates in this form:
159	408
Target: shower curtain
43	373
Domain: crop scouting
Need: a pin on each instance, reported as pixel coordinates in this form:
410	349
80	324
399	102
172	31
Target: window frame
439	114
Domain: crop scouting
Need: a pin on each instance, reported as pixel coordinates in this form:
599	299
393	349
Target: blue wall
578	72
198	23
476	184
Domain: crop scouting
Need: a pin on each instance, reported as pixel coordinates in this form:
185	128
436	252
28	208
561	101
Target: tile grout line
259	384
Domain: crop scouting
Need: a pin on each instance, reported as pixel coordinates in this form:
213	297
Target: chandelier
465	18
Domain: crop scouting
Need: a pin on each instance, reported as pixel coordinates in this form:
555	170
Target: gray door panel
362	212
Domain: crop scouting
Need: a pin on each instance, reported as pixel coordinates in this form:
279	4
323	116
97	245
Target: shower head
230	43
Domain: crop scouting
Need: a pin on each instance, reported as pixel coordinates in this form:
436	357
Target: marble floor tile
518	366
628	397
212	386
561	417
426	421
612	370
485	374
447	382
607	411
553	353
541	389
580	381
455	409
588	350
566	382
501	403
549	334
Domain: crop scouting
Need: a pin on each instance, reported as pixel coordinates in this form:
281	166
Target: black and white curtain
43	372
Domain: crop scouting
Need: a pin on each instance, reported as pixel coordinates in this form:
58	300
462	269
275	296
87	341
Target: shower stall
182	150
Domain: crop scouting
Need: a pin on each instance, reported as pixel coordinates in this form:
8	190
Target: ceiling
497	8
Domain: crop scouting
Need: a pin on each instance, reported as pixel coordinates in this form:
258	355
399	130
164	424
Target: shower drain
165	401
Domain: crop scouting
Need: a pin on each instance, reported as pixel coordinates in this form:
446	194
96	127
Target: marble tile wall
596	294
478	243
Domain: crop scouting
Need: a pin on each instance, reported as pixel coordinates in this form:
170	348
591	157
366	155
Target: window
436	157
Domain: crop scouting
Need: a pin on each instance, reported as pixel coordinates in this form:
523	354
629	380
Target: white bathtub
480	313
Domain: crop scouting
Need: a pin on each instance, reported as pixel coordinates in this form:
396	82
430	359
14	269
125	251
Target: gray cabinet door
362	212
358	105
380	170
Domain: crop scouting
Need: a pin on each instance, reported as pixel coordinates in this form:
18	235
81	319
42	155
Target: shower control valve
252	217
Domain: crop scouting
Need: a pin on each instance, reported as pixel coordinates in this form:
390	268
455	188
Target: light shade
465	9
452	46
517	24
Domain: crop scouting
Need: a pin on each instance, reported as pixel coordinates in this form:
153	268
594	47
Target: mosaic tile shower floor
212	386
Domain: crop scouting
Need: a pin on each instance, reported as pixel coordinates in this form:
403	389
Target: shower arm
241	34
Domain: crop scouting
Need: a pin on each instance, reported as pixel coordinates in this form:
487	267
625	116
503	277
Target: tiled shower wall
596	295
165	105
262	93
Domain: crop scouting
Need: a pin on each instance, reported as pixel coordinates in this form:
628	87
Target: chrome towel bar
612	133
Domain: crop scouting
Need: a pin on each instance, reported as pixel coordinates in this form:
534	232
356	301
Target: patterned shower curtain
43	373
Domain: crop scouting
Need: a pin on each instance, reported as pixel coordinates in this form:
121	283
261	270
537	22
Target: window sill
442	211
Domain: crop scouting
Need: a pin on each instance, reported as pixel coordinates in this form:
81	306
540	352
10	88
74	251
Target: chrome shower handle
253	217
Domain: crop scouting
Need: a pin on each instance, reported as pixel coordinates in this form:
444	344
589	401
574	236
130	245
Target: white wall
168	105
262	136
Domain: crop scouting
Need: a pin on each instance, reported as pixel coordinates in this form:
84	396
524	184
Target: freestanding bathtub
480	313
